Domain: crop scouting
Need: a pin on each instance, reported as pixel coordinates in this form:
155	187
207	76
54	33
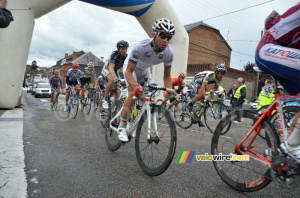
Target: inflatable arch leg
15	46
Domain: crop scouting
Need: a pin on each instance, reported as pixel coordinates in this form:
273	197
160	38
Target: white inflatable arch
15	40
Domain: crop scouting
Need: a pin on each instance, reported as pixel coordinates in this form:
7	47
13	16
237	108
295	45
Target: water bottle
135	112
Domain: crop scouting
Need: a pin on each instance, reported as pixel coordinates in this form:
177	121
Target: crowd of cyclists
277	53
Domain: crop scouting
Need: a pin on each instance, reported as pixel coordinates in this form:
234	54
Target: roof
190	27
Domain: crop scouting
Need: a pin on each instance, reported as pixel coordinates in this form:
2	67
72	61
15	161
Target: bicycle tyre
55	103
160	115
172	138
181	117
212	125
111	137
74	107
272	142
88	106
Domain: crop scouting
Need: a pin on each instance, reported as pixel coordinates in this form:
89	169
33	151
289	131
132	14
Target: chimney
75	54
66	55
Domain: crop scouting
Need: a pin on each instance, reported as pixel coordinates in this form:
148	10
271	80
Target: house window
223	62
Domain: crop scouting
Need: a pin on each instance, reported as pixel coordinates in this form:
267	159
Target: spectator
265	98
239	97
231	93
5	15
221	98
191	90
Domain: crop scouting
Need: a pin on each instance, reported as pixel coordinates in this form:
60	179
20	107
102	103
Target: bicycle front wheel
182	116
111	137
155	155
213	114
87	106
74	107
246	176
160	115
55	103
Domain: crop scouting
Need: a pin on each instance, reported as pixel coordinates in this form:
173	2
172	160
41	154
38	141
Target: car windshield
43	86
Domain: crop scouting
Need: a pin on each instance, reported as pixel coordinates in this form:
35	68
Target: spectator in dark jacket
231	93
5	15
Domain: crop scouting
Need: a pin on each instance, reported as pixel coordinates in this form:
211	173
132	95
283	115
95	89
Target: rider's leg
67	95
91	89
108	86
58	92
78	89
128	104
117	94
52	92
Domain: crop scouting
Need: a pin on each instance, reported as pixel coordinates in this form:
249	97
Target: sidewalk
12	175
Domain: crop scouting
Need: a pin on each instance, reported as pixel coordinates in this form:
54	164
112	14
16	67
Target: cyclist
72	79
100	85
263	99
55	82
88	72
137	66
176	81
110	70
278	53
201	80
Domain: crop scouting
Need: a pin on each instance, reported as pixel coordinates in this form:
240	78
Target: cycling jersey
117	60
206	76
278	51
74	76
175	82
55	81
87	73
144	56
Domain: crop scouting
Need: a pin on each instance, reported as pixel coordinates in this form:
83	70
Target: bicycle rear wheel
246	176
213	114
111	137
155	155
182	117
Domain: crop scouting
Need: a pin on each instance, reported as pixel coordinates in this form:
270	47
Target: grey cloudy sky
81	26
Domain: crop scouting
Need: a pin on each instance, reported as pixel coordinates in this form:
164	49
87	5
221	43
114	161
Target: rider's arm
216	87
167	79
128	75
67	80
202	89
111	68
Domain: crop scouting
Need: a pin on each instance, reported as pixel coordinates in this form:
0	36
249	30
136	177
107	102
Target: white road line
198	131
44	100
12	175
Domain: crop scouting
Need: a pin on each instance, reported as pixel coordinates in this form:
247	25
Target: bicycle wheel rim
88	106
182	118
212	116
143	147
256	175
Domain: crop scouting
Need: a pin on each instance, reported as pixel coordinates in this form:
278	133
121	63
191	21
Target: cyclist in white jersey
137	65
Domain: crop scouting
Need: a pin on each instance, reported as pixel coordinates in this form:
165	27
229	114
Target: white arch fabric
14	48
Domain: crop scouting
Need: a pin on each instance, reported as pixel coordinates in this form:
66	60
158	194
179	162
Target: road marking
198	131
12	175
44	100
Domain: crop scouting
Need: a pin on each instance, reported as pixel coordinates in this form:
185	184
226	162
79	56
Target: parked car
250	105
29	88
42	89
33	88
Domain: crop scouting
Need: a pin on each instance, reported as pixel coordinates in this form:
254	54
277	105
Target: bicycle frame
277	103
131	130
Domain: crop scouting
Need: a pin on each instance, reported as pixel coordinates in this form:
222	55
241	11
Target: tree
34	66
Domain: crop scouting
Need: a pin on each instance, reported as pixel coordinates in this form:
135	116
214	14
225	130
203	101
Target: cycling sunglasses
164	35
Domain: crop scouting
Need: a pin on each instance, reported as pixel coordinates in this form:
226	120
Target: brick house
207	45
207	48
82	58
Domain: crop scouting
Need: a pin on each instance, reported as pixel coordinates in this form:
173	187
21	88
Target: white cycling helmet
221	69
90	64
163	25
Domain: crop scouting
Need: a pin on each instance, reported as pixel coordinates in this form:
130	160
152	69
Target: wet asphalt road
69	158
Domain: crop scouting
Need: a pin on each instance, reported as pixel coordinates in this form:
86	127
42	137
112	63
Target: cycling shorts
74	83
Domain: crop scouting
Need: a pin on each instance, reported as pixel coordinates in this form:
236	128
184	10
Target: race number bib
268	89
